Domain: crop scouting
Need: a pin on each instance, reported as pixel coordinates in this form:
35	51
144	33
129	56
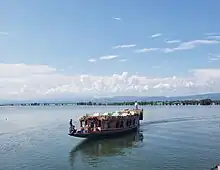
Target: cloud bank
21	81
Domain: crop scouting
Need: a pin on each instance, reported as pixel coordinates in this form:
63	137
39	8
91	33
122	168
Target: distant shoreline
143	103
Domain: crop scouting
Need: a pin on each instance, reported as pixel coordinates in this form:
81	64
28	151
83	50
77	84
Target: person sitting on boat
85	129
72	129
136	105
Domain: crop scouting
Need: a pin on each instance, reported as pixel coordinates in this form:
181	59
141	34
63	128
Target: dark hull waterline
105	134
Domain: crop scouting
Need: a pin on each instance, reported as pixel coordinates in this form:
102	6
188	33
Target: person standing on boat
71	122
72	127
136	105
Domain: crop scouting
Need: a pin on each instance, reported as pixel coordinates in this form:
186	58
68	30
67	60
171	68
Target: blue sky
66	34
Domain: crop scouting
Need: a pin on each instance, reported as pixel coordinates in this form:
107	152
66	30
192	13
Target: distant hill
212	96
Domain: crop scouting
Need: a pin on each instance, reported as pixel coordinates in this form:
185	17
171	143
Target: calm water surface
171	137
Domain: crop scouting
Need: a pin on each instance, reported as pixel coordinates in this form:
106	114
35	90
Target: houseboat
107	124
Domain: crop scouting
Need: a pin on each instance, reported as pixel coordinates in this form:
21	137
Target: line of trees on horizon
177	102
90	103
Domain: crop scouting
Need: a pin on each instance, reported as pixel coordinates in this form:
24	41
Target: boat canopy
111	115
96	114
116	114
107	114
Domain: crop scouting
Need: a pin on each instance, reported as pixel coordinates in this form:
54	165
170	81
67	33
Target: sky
53	49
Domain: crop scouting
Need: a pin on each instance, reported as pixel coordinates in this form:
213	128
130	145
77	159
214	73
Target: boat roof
115	114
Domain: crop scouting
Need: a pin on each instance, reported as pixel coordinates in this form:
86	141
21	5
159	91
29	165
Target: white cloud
123	60
4	33
207	74
92	60
190	45
172	41
144	50
40	81
213	58
181	47
116	18
156	35
124	46
108	57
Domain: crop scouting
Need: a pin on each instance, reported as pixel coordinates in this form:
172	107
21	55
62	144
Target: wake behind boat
107	124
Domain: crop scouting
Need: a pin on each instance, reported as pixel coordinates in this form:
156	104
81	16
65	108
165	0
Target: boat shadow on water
91	150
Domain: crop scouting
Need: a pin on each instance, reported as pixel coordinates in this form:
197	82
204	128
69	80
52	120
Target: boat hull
105	134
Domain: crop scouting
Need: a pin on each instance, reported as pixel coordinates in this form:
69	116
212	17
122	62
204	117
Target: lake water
171	138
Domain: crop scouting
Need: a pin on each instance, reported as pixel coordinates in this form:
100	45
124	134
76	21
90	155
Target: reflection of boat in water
108	124
90	150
